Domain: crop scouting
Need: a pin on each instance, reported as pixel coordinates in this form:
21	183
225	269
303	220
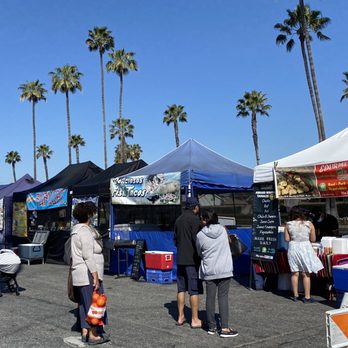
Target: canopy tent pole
112	219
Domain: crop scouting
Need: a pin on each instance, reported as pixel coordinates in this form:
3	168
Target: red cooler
162	260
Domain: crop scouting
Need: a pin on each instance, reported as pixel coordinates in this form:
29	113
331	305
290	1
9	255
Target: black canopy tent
57	220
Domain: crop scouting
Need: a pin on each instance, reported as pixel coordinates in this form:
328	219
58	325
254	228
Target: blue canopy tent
202	170
24	183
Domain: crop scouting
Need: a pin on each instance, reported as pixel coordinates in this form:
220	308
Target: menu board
265	222
140	247
322	180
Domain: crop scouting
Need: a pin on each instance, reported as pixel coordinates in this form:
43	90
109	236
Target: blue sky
198	53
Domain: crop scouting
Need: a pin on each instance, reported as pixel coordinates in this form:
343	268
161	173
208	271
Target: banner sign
322	180
75	201
156	189
265	222
19	223
47	200
2	214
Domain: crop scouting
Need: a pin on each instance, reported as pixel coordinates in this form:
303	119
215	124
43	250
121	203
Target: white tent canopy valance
333	149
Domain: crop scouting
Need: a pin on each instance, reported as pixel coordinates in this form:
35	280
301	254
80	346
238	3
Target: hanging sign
265	222
19	223
322	180
157	189
2	214
47	200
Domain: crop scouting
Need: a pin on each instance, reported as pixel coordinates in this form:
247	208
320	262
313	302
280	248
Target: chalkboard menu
140	248
265	222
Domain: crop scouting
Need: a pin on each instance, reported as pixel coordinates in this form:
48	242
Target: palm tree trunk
34	139
310	87
46	168
103	108
69	128
14	171
315	85
123	155
77	154
176	131
254	130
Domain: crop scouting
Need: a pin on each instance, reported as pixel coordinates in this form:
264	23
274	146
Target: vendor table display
280	264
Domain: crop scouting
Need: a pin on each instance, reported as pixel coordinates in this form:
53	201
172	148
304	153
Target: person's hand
95	282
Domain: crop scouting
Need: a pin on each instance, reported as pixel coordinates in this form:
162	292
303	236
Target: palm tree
100	39
253	103
33	92
12	158
45	152
117	158
301	22
345	91
122	128
76	141
66	80
135	152
122	62
173	114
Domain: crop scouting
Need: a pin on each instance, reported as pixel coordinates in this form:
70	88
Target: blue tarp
201	167
163	241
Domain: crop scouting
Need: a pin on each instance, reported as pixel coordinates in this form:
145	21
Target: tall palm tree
66	80
76	141
12	158
122	128
345	91
45	152
100	39
135	152
121	63
251	104
174	114
301	22
117	158
33	92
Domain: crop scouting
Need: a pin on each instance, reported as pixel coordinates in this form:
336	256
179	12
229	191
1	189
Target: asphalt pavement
143	314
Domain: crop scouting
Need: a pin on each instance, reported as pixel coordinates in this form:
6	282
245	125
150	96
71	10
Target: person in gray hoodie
216	270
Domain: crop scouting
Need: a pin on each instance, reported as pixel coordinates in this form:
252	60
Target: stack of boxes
159	267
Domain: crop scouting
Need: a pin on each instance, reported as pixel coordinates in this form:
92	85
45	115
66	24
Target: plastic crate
158	276
340	277
162	260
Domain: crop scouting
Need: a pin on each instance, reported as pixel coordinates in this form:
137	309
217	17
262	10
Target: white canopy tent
333	149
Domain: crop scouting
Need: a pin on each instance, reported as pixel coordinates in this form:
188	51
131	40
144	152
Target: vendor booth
147	202
316	179
24	183
48	207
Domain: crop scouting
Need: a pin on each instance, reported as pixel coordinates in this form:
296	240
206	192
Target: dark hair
297	213
210	217
91	207
81	212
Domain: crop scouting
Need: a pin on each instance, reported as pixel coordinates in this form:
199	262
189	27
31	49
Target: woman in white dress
299	232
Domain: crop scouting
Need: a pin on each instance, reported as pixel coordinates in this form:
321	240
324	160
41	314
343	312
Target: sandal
100	340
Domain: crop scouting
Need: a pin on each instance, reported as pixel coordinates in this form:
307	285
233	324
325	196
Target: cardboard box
337	328
162	260
30	251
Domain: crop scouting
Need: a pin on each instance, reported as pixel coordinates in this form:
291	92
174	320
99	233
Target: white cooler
30	252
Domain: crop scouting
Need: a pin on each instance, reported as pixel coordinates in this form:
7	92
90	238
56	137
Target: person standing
327	225
216	270
185	233
299	232
84	271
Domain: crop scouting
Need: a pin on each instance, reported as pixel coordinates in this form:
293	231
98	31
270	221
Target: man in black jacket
185	232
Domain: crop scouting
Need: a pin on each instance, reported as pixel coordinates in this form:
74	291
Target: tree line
302	22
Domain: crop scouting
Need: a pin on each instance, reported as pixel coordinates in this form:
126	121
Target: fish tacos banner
47	200
323	180
157	189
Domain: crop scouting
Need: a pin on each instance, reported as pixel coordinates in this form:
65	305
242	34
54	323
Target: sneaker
295	298
212	331
308	300
229	333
